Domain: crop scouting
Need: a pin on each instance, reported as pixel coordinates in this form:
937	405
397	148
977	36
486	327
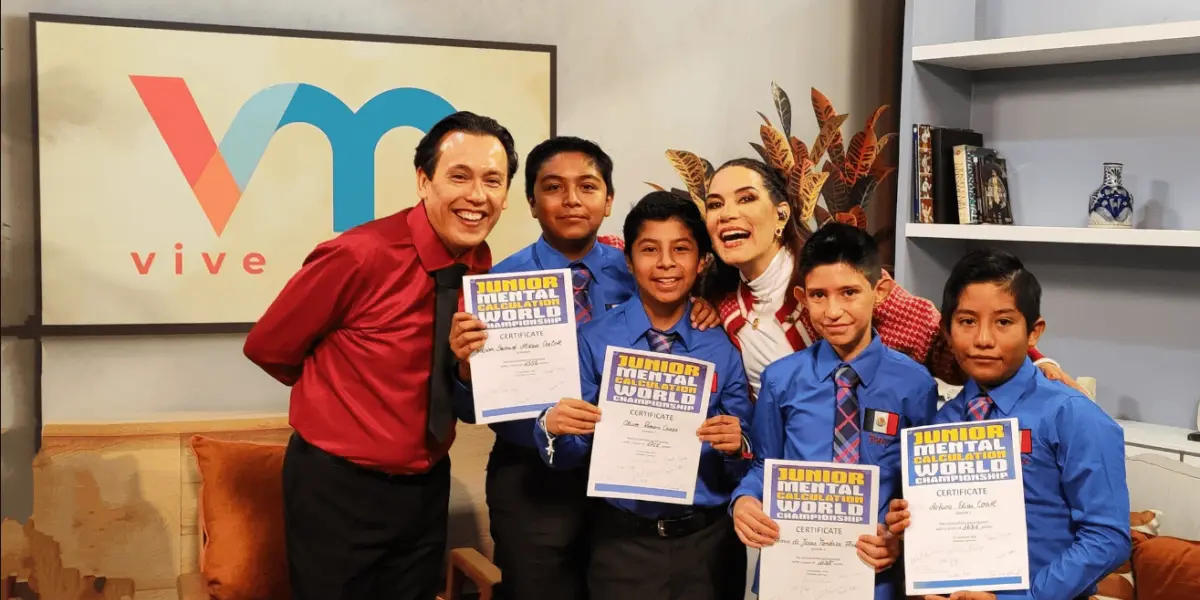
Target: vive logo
219	173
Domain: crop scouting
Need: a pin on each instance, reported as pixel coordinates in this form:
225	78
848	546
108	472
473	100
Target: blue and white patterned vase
1111	205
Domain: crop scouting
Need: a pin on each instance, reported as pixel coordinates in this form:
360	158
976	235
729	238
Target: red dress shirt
352	333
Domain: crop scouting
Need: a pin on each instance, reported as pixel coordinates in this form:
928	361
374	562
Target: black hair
662	206
993	266
839	243
429	152
558	145
722	279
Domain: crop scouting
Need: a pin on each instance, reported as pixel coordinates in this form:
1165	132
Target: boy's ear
883	288
1038	329
798	292
608	206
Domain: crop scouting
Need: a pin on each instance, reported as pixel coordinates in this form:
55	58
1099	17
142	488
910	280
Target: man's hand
724	432
752	525
965	596
571	416
704	316
897	519
878	551
466	336
1053	371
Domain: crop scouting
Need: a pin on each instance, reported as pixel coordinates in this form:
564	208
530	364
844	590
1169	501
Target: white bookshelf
1160	438
1172	238
1140	41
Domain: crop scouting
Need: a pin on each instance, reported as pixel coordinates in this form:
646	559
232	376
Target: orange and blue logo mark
219	173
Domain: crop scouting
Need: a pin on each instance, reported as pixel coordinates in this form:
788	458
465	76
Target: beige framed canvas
185	171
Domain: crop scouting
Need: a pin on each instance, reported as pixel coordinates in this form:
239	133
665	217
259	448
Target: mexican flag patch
878	421
1026	442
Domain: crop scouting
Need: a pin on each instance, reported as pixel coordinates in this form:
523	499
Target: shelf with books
1172	238
1114	43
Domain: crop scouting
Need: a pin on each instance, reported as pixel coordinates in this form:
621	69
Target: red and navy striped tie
581	276
979	408
660	341
846	428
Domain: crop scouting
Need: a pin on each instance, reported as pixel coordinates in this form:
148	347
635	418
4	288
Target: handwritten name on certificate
967	499
530	359
645	446
821	509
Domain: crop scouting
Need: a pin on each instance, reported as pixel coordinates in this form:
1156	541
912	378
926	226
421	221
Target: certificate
967	500
821	509
645	446
530	359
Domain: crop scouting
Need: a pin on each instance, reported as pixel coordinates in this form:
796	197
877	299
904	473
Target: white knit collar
771	286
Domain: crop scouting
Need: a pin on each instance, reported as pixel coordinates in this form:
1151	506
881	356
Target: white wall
637	76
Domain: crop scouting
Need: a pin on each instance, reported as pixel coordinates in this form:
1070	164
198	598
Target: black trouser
539	525
697	558
355	533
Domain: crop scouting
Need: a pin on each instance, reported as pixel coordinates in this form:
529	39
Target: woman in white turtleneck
757	239
768	342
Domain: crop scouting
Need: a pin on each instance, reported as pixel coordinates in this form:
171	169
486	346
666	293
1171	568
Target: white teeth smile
669	281
468	215
734	235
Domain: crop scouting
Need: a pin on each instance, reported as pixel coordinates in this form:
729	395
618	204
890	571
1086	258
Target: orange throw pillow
241	517
1167	569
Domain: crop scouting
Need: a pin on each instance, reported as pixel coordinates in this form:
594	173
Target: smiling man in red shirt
361	333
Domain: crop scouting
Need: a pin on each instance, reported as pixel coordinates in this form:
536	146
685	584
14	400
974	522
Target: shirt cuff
1046	359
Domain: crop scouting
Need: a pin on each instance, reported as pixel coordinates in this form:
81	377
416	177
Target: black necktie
441	378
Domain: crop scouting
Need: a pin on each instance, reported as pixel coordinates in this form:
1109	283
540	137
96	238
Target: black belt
304	445
666	528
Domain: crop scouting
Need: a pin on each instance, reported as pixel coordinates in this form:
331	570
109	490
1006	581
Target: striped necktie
846	428
581	276
979	408
660	341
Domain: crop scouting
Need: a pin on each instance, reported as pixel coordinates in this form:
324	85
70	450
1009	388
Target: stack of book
956	179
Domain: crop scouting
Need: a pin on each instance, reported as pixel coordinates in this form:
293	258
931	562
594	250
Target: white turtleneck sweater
767	343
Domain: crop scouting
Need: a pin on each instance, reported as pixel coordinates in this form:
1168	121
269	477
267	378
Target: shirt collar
1006	395
639	322
866	364
432	251
549	258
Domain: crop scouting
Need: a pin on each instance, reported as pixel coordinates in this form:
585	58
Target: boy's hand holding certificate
966	504
821	509
646	446
530	356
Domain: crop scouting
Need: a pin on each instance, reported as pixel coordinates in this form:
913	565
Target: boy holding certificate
843	399
645	549
1072	453
537	514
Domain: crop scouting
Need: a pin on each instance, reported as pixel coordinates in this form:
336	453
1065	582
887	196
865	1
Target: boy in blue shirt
537	515
1072	455
646	549
843	399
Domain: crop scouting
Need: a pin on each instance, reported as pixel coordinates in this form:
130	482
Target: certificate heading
657	380
520	300
961	453
815	493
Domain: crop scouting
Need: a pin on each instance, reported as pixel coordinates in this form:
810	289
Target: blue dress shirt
611	284
794	419
1076	498
625	326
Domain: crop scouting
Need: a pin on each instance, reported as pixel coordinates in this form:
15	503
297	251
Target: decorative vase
1111	205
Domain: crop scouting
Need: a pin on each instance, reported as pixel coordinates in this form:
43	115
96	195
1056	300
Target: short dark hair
988	265
558	145
428	149
662	206
839	243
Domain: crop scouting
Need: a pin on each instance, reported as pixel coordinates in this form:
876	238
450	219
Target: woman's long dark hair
721	279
